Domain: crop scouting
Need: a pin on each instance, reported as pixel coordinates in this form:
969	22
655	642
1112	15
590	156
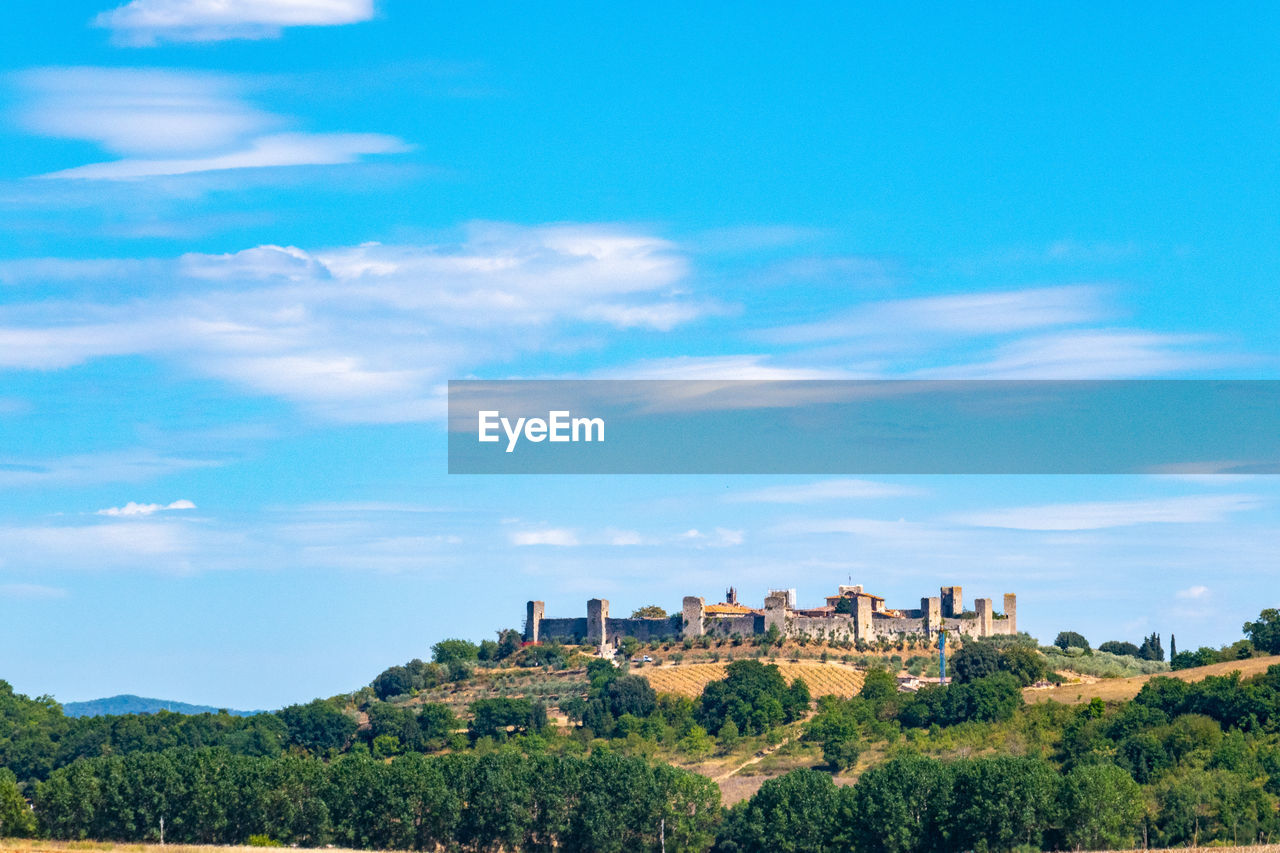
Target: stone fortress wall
851	614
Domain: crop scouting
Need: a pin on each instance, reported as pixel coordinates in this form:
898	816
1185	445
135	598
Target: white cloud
1193	592
285	149
1089	354
962	315
559	537
720	537
362	333
164	123
136	509
720	367
147	22
824	490
1102	515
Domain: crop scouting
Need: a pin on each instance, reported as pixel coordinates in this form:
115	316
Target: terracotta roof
727	610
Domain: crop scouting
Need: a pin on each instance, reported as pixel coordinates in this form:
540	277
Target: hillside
130	704
838	679
1115	689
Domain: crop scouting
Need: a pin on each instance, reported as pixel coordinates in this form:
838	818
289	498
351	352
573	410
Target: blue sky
246	244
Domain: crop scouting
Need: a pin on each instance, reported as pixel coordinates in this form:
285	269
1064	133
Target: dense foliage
754	696
504	799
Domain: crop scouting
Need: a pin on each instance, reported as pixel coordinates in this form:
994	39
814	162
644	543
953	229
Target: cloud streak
131	509
824	490
148	22
1102	515
164	123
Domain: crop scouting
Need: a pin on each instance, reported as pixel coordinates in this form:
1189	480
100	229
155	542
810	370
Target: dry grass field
1116	689
824	679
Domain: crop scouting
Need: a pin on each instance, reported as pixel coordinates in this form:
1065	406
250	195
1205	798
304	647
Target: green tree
317	726
455	651
500	717
649	611
1000	803
728	735
1116	647
879	685
795	813
1025	664
755	696
1151	648
975	660
393	681
1101	807
1264	633
903	801
1071	640
16	819
696	742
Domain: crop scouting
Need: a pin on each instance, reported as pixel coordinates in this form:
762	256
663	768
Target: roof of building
725	609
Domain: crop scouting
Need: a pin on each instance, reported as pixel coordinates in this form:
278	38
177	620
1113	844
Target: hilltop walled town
851	614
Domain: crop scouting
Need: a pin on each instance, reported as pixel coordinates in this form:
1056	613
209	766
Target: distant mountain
139	705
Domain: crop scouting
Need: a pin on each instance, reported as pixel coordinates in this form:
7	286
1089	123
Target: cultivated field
1116	689
824	679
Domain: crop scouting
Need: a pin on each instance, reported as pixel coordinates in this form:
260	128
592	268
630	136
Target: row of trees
502	800
915	804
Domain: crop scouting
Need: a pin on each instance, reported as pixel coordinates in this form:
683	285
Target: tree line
506	799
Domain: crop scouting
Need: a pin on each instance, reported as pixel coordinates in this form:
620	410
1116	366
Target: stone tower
931	610
775	611
985	610
1011	610
597	616
534	611
693	610
952	602
862	617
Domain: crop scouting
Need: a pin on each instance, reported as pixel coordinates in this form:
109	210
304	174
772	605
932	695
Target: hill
130	704
1115	689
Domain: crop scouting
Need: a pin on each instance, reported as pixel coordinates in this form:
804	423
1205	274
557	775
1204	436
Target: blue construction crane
942	656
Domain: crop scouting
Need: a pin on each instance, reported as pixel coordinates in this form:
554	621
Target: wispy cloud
961	315
1091	354
284	149
148	22
555	536
824	490
1100	515
1194	592
719	367
369	332
132	509
166	123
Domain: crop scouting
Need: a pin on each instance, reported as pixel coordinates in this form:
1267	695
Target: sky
245	245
